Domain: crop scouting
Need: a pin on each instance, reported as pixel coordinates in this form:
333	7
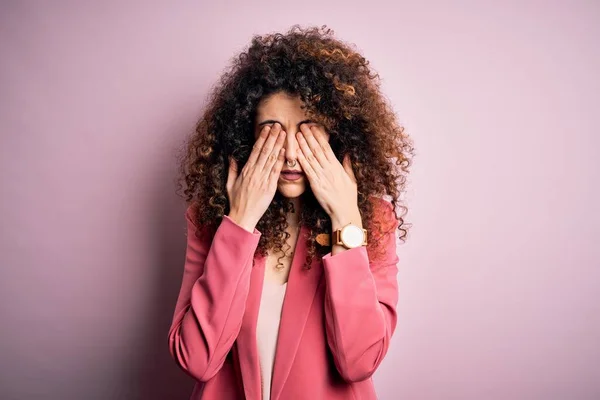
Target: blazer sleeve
212	299
360	304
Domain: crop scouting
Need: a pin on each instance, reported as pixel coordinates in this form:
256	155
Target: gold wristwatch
350	236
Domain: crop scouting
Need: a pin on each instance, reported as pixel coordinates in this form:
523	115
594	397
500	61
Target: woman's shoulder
383	210
379	201
204	231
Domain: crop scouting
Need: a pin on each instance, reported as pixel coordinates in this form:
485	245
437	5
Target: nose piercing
291	165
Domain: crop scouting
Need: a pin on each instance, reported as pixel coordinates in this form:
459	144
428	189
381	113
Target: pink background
500	278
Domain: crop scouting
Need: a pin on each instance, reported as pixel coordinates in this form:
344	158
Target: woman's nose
291	145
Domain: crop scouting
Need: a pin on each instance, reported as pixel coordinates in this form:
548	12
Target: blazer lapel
300	292
246	341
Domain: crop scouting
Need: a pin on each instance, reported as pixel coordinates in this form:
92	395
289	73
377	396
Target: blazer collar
300	292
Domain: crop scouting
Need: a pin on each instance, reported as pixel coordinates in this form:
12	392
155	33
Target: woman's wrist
243	222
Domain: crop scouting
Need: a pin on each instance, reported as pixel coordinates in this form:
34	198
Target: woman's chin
291	189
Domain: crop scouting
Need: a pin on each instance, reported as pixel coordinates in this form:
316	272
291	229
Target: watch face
352	235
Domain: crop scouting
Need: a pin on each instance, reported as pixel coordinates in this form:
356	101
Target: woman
285	294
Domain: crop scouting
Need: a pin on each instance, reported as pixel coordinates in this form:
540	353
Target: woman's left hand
333	184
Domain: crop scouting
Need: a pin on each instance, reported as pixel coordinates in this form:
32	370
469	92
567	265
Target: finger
258	144
311	146
348	167
273	157
232	172
277	167
306	166
309	159
323	138
267	147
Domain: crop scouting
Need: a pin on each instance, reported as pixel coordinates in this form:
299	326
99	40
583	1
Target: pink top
267	330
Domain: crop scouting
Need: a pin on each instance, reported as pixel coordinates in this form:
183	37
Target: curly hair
338	90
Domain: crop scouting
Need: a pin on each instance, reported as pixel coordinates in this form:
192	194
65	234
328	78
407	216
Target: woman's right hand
251	191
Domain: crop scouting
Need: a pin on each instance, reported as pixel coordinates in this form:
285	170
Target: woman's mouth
291	176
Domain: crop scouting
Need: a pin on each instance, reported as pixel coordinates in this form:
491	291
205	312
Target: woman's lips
291	176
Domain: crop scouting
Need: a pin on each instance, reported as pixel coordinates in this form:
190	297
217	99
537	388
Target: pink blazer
336	324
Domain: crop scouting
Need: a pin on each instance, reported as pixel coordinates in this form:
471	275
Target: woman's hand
333	184
251	191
